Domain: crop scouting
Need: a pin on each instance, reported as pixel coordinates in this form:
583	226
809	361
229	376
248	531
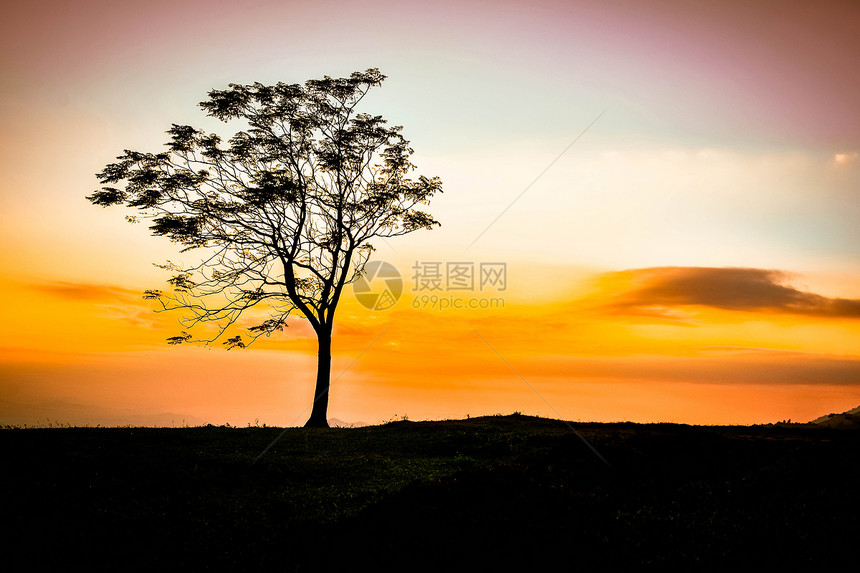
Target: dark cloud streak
87	292
737	289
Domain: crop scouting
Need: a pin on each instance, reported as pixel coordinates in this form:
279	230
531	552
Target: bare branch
284	212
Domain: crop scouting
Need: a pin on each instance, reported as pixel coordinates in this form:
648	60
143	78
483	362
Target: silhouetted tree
284	212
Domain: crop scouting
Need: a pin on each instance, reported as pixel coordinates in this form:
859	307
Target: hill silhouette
845	420
492	492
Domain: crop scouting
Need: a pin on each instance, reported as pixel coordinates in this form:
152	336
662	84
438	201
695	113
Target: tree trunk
319	413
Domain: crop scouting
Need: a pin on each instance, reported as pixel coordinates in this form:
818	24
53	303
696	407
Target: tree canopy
284	212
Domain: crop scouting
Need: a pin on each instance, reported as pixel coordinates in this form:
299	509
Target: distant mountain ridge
849	419
338	423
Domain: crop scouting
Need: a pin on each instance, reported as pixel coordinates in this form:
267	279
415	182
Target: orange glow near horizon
587	357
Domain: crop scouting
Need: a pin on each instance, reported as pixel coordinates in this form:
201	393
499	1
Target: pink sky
730	140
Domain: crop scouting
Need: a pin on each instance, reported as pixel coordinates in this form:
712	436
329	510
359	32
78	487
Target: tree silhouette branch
285	211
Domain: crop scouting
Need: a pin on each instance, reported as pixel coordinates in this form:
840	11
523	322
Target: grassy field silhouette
498	491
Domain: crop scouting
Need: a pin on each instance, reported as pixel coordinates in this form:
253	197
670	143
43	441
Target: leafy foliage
285	210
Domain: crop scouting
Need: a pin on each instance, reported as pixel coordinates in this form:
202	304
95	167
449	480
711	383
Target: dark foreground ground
501	492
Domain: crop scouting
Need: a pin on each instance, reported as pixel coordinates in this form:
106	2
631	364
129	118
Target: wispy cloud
661	291
86	291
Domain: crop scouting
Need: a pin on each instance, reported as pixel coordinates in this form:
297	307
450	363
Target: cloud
659	291
87	291
711	365
846	159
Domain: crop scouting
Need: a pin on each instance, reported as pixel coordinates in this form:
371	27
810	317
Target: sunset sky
673	186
